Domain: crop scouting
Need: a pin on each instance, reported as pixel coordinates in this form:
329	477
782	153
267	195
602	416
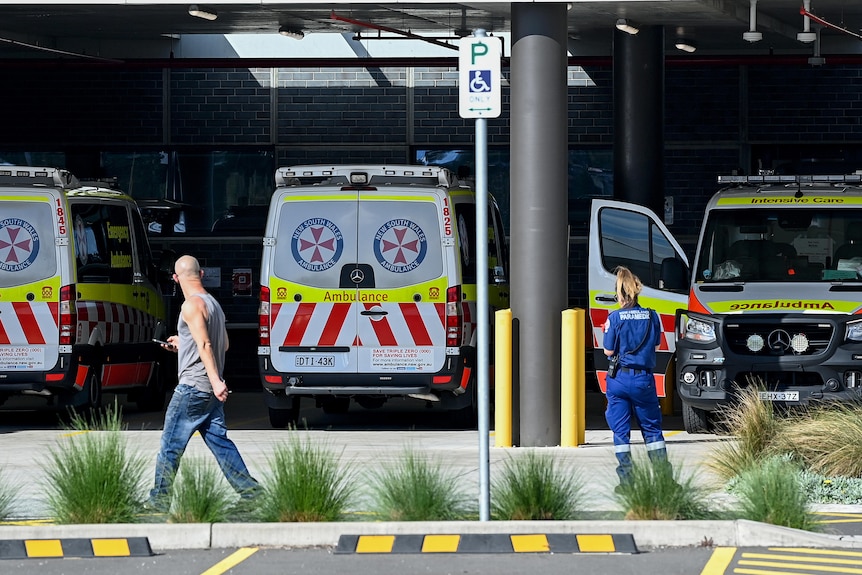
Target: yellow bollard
571	402
581	375
503	378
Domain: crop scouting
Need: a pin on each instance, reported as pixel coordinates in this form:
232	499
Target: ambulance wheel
695	420
336	405
281	418
88	401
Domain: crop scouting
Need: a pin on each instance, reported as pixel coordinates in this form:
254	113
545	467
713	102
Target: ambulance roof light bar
792	179
37	176
289	176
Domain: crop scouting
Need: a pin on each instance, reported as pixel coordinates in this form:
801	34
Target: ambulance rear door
358	284
33	231
402	296
624	234
313	319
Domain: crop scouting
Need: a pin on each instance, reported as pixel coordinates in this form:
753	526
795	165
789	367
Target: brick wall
717	119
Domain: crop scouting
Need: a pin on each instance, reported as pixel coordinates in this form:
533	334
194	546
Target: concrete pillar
639	117
539	198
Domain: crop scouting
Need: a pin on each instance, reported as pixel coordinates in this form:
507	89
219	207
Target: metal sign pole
479	79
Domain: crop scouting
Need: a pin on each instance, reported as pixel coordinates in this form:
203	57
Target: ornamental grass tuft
305	483
532	486
92	478
657	490
199	493
418	489
770	492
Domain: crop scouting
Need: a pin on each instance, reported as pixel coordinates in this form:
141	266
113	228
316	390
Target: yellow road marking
811	551
805	557
770	572
797	565
719	561
231	561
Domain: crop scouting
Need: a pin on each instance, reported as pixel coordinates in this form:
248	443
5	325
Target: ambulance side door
629	235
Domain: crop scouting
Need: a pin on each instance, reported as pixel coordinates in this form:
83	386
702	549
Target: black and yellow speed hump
59	548
489	543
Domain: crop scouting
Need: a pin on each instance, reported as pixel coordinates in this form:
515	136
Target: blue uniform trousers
634	392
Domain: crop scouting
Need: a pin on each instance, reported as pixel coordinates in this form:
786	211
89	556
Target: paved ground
24	452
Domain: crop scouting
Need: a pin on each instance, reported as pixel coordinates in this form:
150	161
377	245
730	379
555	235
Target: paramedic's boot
624	469
660	463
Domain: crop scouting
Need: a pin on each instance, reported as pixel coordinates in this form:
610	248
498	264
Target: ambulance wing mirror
674	275
166	272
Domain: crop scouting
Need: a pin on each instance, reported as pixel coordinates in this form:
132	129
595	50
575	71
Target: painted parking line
782	560
61	548
488	543
231	561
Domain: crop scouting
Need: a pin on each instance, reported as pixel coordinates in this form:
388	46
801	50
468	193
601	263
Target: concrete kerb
647	534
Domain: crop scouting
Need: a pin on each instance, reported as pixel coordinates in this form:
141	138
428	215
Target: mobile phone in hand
163	342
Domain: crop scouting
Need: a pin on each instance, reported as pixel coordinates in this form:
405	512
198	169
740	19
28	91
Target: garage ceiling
116	29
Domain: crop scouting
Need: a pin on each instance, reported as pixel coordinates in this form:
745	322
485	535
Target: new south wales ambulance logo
400	245
316	244
19	244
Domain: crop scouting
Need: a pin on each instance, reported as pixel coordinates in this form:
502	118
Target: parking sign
479	77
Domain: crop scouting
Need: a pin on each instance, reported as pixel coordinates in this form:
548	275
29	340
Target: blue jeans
192	410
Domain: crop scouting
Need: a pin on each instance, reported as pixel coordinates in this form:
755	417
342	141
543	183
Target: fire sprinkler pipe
411	35
808	15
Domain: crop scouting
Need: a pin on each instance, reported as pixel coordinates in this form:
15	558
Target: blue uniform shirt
624	331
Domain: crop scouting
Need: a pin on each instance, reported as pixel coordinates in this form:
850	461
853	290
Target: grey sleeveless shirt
190	369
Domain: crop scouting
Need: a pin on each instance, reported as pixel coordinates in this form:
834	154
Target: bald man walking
198	400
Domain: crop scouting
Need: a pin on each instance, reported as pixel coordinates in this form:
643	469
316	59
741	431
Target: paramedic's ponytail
628	287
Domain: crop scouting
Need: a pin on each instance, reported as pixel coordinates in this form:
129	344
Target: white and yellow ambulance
774	299
79	304
368	288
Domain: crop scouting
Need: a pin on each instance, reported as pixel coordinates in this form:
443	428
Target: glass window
631	239
781	244
104	253
27	252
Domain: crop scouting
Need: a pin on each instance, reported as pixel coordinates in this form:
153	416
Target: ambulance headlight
698	330
854	331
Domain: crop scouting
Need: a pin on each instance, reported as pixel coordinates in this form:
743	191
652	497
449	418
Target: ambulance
79	304
773	299
368	289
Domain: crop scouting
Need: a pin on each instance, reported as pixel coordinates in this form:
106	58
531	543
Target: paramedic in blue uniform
633	332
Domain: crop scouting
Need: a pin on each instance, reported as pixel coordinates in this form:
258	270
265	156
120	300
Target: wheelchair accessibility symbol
480	81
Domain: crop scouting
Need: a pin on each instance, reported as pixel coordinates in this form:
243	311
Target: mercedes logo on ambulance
779	340
356	276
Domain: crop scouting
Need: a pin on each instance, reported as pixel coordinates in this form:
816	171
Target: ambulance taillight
68	314
454	316
263	316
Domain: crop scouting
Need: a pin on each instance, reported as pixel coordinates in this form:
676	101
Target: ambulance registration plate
778	395
315	361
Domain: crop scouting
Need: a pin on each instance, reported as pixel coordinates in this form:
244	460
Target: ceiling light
291	33
685	46
624	25
198	12
806	35
752	35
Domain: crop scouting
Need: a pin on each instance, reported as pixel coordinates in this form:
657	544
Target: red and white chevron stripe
33	323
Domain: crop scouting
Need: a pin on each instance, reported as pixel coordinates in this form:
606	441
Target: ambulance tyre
87	402
281	418
695	420
335	405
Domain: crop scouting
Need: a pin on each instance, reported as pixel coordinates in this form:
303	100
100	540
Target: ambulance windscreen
781	244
